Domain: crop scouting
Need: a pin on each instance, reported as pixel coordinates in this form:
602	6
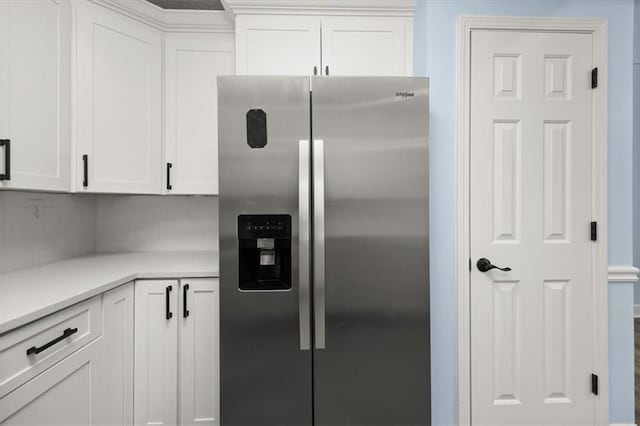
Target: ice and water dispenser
264	244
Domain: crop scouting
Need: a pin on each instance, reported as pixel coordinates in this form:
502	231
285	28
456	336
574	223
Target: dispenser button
265	243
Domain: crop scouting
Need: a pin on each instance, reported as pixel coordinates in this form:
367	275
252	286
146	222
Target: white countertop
31	293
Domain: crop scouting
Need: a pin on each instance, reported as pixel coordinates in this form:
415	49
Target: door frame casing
598	28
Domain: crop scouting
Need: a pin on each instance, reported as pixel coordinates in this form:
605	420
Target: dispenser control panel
264	226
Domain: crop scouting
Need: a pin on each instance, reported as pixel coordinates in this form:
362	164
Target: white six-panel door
532	329
35	93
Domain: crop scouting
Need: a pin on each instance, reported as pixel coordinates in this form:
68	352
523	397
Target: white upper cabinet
35	94
192	64
277	45
118	112
289	37
366	46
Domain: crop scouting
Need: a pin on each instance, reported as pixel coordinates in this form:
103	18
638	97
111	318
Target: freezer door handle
304	256
318	243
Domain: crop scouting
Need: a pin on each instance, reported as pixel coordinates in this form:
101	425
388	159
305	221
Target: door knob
485	265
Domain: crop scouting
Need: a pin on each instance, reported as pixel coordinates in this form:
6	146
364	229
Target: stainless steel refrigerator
324	260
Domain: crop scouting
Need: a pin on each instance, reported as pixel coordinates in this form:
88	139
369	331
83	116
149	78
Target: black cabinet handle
326	70
167	298
315	70
66	333
185	310
169	166
85	170
485	265
6	143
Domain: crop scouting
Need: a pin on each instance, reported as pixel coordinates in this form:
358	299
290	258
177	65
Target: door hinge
594	231
594	78
594	384
469	264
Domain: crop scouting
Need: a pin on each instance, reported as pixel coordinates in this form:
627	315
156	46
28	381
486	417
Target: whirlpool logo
405	95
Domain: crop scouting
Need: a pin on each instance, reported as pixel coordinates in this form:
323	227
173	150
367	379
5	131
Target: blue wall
435	56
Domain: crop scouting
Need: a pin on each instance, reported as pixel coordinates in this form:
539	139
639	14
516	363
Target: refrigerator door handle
304	256
318	243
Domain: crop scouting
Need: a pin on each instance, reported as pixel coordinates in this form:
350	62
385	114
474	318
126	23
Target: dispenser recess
264	244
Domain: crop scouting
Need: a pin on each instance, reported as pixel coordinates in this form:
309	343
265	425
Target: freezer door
266	373
371	261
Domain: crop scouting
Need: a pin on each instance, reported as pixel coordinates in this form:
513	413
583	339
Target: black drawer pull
7	159
167	298
185	310
85	170
169	166
36	350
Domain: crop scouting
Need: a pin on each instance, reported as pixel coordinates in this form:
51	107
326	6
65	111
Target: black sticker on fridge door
256	128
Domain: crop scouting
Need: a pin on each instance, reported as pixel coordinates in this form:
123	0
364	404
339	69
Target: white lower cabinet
69	393
117	336
156	353
176	352
199	352
152	357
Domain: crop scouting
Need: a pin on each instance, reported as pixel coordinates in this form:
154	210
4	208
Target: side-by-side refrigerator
324	259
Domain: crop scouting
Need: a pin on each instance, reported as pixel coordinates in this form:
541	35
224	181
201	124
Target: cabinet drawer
48	341
69	393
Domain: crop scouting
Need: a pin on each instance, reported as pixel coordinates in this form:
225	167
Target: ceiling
189	4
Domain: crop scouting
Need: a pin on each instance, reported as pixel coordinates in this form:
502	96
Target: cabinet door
35	93
118	113
277	45
155	353
199	352
192	64
117	336
366	46
69	393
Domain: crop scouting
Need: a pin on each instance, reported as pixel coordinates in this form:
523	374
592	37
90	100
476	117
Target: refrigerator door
266	373
371	262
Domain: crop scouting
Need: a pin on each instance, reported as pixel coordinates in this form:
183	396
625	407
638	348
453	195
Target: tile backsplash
40	227
156	223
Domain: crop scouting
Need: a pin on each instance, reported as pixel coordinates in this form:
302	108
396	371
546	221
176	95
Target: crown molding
623	274
321	7
215	21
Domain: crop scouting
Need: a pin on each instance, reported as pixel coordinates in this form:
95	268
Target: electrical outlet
35	209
